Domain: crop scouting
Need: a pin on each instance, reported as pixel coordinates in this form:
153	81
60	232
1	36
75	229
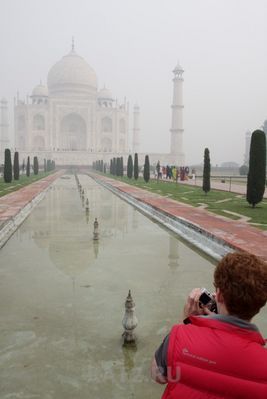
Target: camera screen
204	299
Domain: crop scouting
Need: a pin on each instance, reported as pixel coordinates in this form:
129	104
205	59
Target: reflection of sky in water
63	294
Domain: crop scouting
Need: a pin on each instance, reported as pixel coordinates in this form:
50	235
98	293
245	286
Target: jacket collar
230	324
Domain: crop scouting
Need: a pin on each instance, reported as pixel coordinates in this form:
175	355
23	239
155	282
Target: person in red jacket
219	355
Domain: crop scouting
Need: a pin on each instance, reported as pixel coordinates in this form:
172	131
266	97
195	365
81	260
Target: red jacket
214	359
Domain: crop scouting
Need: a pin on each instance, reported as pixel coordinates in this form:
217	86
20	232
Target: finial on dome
72	44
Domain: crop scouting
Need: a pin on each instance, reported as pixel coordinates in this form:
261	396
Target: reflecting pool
62	296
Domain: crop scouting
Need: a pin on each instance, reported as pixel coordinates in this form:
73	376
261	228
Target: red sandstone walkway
11	204
234	188
237	234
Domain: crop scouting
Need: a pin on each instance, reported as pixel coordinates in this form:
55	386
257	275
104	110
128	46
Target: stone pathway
237	234
234	188
224	200
11	204
241	218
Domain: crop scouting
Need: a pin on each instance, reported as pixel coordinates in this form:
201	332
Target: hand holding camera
207	300
200	302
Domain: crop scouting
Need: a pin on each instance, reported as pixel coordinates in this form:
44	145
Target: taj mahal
73	122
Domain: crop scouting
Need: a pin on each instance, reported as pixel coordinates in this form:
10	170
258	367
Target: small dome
40	91
105	94
71	74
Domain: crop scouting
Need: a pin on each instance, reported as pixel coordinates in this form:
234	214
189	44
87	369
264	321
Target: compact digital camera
207	300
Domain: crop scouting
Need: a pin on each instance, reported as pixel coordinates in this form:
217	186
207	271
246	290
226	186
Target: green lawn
6	188
219	202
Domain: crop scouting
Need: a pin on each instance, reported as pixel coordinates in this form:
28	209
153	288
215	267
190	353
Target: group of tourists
171	172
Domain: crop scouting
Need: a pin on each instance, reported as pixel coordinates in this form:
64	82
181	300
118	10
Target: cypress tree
130	167
45	167
118	167
110	167
28	167
206	171
158	170
16	166
121	167
35	166
147	169
7	166
136	168
257	168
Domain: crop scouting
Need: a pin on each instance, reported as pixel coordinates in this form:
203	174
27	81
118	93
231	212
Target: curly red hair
242	280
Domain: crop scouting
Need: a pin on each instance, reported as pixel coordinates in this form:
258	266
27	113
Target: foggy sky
134	45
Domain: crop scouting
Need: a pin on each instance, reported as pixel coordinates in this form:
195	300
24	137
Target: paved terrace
12	204
216	184
239	235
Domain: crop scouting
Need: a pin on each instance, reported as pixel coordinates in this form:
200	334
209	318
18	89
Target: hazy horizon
133	48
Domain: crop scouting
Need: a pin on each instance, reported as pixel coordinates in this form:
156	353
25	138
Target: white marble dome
105	94
72	74
40	91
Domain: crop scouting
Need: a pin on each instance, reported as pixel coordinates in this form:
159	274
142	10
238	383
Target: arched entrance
73	133
38	143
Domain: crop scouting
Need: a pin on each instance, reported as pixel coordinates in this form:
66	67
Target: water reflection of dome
41	238
74	257
70	215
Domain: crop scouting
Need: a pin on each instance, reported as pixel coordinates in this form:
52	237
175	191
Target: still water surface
62	297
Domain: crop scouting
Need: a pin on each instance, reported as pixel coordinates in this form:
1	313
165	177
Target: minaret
4	140
136	128
72	45
177	117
